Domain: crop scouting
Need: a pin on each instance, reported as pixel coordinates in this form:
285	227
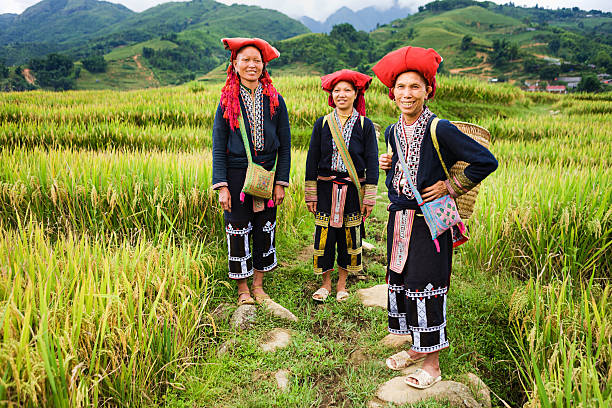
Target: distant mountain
57	21
366	19
81	27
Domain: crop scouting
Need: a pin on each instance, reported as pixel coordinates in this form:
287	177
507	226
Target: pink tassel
270	203
437	245
242	196
461	227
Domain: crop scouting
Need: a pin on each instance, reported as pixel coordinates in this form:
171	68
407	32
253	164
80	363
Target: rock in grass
282	379
398	392
479	389
277	339
243	317
367	246
278	310
395	340
374	296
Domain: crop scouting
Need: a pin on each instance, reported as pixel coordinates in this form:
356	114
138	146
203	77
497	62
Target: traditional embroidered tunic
338	219
419	276
269	140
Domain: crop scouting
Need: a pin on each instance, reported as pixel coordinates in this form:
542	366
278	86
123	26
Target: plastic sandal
402	360
245	300
260	298
321	294
342	296
425	379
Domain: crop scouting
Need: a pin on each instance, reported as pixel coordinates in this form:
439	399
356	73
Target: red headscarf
424	61
230	94
360	81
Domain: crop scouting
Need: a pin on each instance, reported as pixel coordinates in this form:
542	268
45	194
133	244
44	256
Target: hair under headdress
230	93
360	81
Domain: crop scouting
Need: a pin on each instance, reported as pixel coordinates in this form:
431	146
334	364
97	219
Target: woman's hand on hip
367	210
384	161
225	199
312	206
278	195
436	191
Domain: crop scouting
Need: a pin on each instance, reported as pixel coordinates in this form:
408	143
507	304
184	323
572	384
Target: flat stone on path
279	311
367	246
374	296
277	339
479	389
282	379
243	317
398	392
395	340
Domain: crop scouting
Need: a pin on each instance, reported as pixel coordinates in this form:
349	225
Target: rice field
111	240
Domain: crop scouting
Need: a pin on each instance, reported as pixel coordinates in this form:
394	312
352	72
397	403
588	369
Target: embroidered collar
255	114
347	130
410	137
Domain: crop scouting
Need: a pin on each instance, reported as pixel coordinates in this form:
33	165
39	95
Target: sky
320	9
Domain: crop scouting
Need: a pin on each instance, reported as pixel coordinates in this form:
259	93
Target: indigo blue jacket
362	147
454	146
228	147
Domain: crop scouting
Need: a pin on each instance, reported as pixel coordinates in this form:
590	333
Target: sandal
261	297
425	380
401	360
247	300
321	294
342	295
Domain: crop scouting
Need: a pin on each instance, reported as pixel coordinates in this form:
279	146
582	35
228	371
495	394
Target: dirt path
141	67
29	77
482	65
533	45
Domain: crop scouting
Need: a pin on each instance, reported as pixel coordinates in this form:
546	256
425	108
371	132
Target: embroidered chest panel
337	163
255	115
410	138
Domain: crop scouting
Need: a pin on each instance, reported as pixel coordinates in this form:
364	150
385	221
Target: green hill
480	38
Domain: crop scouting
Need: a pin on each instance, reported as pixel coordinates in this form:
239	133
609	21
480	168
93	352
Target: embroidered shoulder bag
440	214
344	153
258	182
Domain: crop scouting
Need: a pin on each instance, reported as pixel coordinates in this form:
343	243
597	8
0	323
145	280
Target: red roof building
556	89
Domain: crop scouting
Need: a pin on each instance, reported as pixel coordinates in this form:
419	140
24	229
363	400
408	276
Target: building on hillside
572	82
560	89
532	88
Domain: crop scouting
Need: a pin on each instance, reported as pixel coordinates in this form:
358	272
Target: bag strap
247	146
402	160
434	139
344	153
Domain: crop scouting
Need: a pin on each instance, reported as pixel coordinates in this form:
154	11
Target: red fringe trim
230	95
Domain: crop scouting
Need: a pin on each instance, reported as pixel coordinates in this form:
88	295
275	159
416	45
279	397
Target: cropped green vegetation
113	281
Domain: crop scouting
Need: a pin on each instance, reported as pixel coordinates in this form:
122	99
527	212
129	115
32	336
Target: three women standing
341	179
249	94
418	273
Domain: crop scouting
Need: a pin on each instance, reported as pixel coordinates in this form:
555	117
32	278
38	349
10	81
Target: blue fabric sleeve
314	151
219	149
371	151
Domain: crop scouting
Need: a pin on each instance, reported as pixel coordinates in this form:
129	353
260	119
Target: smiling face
249	66
410	93
344	95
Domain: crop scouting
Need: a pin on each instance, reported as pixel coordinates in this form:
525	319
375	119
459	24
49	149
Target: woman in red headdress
249	97
331	179
418	273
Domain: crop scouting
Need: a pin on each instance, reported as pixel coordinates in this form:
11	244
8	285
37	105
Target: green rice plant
131	194
102	135
562	331
536	218
88	322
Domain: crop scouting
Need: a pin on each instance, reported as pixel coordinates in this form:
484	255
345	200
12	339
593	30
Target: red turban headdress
230	94
360	81
424	61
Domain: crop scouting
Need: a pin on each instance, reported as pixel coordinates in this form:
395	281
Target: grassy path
335	358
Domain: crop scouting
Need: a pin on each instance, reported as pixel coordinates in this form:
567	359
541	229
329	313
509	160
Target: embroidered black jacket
228	148
454	146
